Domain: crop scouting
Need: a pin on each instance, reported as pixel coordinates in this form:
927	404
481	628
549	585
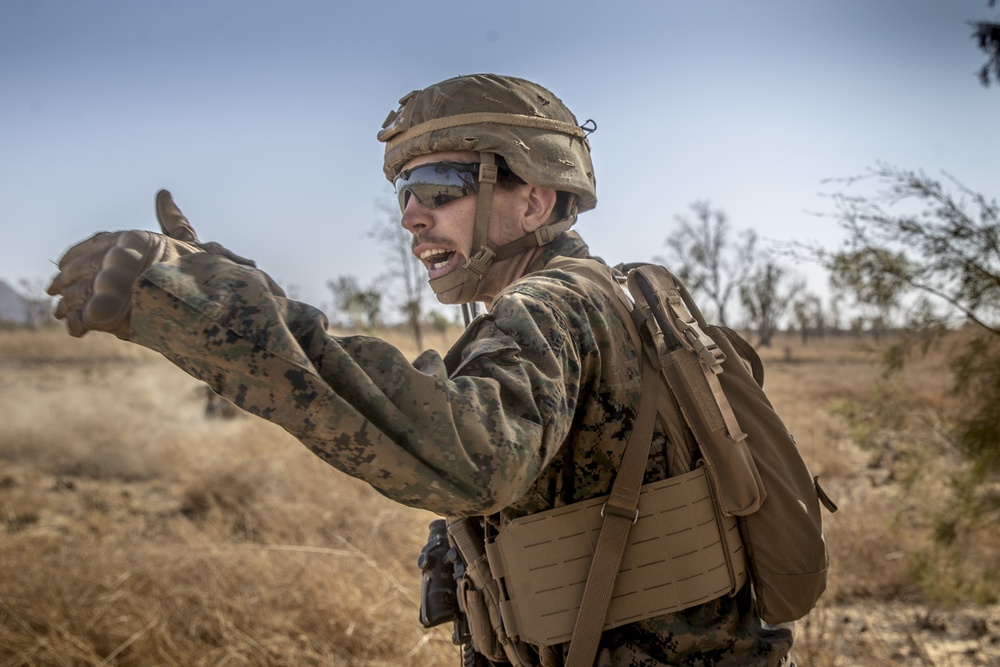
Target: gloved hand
96	276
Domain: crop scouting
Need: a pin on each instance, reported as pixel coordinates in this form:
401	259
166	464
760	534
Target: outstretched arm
465	444
472	442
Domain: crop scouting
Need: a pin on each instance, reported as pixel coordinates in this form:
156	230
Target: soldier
530	410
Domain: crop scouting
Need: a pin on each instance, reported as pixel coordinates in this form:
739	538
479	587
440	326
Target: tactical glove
96	277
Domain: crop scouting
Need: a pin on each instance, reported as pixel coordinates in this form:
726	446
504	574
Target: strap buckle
488	173
480	262
547	233
692	335
623	512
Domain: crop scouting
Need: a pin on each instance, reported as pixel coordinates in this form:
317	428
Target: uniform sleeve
470	443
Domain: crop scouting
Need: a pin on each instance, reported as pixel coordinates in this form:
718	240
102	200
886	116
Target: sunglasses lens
437	184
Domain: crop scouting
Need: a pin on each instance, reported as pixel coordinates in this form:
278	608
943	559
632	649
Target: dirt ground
889	632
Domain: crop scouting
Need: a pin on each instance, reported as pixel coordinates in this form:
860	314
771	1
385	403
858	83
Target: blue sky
261	117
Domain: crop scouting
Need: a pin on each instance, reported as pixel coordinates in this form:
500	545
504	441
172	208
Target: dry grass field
137	531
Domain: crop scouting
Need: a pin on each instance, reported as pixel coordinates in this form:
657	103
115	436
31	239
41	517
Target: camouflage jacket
530	409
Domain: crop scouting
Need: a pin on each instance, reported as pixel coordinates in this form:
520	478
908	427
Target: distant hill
13	306
30	309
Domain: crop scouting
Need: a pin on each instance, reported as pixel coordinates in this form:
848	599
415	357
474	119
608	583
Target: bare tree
836	319
404	269
808	315
766	296
706	257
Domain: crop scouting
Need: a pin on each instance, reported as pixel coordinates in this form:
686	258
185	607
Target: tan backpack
754	465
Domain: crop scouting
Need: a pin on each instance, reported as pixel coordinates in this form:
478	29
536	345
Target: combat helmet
538	138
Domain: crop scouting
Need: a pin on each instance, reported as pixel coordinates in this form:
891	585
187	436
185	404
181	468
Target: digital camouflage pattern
529	410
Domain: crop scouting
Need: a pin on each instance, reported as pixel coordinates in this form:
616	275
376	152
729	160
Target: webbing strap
476	267
664	297
619	513
688	330
487	254
540	237
447	122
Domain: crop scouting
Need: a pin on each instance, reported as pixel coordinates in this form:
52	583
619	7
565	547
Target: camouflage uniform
529	410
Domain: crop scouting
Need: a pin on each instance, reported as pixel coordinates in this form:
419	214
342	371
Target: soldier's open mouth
437	258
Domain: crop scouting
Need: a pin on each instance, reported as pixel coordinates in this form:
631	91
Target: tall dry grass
139	532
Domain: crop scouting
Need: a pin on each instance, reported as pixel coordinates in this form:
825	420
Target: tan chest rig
569	573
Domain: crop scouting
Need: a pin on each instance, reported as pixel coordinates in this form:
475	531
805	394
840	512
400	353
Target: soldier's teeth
432	255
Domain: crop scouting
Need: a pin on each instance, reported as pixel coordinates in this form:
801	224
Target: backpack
753	463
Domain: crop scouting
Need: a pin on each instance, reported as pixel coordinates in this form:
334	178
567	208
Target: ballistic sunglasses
437	183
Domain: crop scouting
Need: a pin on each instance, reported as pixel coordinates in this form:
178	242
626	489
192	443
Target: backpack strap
619	512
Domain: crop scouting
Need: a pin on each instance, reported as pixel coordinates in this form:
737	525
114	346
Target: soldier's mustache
432	240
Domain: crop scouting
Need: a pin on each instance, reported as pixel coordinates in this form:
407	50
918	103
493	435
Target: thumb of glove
172	221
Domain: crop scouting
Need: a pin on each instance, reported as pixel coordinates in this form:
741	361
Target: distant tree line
732	272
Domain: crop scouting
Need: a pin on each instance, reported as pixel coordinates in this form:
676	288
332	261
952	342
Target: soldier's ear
538	206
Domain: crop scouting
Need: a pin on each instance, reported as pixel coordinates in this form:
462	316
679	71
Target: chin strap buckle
487	173
481	261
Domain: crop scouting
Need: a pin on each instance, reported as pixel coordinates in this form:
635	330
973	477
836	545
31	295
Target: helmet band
448	122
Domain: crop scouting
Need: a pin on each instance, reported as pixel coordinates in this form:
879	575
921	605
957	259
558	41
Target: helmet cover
534	132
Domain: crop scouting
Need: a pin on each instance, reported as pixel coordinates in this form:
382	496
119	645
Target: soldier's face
442	236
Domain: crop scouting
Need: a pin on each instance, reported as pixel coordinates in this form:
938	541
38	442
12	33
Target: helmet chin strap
469	275
475	267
